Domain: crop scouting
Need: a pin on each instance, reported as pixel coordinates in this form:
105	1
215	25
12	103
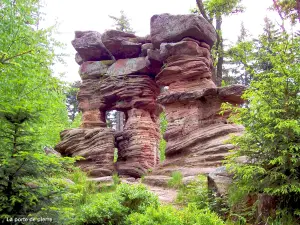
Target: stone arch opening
116	119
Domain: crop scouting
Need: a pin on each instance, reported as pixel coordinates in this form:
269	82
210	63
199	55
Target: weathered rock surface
94	69
122	45
119	93
173	28
78	59
219	181
51	151
89	46
158	180
96	145
138	144
145	48
123	67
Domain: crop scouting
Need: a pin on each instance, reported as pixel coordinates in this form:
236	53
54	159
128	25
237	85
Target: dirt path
165	195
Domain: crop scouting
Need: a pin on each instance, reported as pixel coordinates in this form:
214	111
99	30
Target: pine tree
215	10
271	141
71	99
122	23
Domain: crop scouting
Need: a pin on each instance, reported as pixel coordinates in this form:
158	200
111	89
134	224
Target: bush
194	192
164	215
162	142
84	204
136	197
168	215
104	209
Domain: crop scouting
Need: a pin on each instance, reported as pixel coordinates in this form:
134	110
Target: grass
176	180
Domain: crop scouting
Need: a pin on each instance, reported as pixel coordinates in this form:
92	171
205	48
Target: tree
287	9
241	57
163	123
215	10
32	111
27	54
271	141
122	23
71	99
250	57
28	176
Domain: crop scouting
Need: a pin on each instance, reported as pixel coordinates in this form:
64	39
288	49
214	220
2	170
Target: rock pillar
196	132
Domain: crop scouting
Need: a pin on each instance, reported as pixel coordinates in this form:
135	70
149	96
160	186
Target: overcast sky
93	15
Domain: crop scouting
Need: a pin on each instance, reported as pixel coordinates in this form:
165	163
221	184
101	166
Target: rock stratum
169	70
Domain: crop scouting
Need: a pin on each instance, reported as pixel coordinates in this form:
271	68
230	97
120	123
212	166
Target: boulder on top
122	45
89	46
173	28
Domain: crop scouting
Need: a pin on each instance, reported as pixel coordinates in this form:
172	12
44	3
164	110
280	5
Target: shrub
116	179
164	215
168	215
135	197
194	192
104	209
162	142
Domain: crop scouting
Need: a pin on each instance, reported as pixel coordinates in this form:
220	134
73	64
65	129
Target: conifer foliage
271	142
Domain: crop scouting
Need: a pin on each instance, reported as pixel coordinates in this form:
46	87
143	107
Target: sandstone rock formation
123	72
126	85
96	145
196	132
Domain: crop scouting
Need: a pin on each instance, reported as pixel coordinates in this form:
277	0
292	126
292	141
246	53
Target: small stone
145	48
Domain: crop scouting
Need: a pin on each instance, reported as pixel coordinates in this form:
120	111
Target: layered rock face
196	132
115	76
96	145
123	72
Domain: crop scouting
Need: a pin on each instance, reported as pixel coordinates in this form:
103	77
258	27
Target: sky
73	15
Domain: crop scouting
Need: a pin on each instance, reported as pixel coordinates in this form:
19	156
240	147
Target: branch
279	13
202	10
298	9
15	56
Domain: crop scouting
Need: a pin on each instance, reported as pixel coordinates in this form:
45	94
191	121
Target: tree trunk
220	51
202	10
119	121
298	9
